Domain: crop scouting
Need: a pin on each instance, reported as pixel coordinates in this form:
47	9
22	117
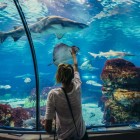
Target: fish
24	76
62	54
27	80
111	54
87	66
3	5
87	76
50	25
5	86
94	83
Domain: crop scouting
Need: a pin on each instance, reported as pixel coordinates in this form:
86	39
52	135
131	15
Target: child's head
64	74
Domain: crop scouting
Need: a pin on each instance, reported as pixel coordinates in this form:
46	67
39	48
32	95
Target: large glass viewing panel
17	78
107	33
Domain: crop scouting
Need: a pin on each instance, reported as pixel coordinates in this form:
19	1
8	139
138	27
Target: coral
44	93
12	116
127	97
5	115
18	115
32	111
31	100
121	92
32	96
120	73
28	103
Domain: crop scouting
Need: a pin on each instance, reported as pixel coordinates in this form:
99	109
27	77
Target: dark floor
111	136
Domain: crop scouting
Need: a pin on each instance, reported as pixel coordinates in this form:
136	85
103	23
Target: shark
111	54
87	66
50	25
3	5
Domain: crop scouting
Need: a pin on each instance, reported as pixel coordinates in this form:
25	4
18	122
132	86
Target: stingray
62	54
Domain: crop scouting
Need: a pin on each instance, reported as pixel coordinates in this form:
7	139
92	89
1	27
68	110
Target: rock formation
121	92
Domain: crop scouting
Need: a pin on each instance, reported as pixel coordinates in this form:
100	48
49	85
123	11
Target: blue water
113	25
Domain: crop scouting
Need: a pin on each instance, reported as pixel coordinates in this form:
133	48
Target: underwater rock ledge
121	92
121	73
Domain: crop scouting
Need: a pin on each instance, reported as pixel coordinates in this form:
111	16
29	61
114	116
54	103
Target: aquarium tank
107	35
